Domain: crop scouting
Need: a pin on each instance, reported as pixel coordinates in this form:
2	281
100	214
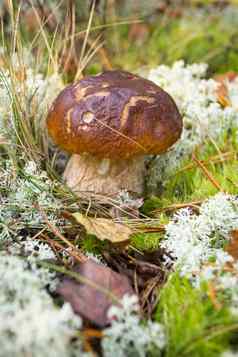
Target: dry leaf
90	300
222	90
104	229
232	247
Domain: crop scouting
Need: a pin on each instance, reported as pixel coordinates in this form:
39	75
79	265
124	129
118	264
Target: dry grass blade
207	173
16	25
113	16
102	27
194	205
145	225
212	294
77	255
78	74
56	246
44	22
122	135
94	48
70	30
92	333
158	229
149	290
43	33
216	159
105	59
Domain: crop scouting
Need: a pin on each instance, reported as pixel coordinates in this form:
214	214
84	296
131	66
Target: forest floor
149	276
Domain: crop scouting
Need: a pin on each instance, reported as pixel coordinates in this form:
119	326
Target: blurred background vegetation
128	34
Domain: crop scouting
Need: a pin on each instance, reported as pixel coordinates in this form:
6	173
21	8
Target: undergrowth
194	326
196	310
197	34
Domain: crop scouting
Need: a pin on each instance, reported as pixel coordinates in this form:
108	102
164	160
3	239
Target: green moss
190	184
146	241
195	328
91	244
150	204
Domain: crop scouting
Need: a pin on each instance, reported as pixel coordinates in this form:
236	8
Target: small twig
88	348
52	244
136	283
38	233
57	246
92	333
212	295
176	206
207	173
153	283
105	58
212	160
79	256
89	334
102	53
160	228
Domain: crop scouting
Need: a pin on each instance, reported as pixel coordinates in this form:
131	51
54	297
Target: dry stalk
207	173
77	255
217	159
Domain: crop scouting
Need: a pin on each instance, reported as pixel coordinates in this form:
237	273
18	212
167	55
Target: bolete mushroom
109	122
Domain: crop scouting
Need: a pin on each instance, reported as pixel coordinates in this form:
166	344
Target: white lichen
193	240
33	190
31	324
203	116
196	246
128	335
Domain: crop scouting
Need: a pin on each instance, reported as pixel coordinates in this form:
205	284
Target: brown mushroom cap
114	115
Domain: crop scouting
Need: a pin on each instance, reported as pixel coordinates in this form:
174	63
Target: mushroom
110	122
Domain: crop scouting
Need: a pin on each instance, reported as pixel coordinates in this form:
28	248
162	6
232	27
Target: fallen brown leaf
222	90
91	300
232	247
104	229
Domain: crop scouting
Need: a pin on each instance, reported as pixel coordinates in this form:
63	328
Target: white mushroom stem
86	173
